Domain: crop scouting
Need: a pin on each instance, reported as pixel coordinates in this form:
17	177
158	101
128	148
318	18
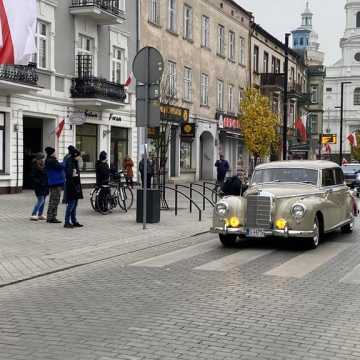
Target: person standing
102	179
149	172
55	173
40	185
66	157
222	167
128	165
73	189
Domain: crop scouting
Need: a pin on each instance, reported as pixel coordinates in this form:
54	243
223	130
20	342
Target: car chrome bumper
268	233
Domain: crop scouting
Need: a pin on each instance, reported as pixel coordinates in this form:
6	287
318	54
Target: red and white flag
18	27
129	80
300	127
59	129
353	140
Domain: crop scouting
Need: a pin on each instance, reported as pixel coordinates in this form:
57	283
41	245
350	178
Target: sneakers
68	226
77	225
34	218
54	221
42	217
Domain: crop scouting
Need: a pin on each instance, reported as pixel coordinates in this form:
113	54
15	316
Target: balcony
18	79
272	81
295	90
103	12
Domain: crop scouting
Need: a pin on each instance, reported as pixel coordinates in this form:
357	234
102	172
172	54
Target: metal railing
20	74
272	79
111	6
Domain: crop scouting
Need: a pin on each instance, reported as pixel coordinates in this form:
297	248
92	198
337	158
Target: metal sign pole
145	140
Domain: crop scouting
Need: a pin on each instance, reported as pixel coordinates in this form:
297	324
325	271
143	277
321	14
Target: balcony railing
26	75
93	87
273	80
110	6
295	88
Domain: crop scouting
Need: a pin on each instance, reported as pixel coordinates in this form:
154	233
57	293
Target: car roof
300	164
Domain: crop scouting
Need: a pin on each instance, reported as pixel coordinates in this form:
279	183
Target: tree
259	124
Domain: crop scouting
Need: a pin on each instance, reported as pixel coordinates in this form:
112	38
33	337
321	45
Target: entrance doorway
119	147
206	155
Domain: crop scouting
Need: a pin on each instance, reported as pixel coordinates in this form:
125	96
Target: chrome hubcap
316	235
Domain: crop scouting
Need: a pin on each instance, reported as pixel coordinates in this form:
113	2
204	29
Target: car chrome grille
258	212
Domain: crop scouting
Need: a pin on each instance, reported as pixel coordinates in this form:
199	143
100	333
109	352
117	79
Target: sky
281	16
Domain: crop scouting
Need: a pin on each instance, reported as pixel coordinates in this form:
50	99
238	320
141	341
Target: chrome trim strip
280	233
343	223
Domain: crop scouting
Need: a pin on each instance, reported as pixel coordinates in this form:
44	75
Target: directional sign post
148	67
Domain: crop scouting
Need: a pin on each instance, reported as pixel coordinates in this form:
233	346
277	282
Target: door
341	195
331	206
207	155
32	144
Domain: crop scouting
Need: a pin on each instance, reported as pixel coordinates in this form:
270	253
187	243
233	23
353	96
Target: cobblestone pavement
29	249
193	299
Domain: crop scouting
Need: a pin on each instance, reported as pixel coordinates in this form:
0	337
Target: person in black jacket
73	189
102	179
150	172
40	185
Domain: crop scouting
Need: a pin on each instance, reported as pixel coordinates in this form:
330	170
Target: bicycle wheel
93	195
125	198
104	203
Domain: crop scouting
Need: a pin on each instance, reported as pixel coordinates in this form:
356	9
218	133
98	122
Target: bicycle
124	193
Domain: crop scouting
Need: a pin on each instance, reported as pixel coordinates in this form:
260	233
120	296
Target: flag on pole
129	80
60	128
353	140
300	127
18	27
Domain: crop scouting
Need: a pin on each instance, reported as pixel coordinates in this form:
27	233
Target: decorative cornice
53	3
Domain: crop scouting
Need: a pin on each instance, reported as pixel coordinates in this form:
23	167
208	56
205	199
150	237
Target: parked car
352	176
291	199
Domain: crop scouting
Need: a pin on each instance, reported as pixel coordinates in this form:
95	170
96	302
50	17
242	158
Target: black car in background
352	176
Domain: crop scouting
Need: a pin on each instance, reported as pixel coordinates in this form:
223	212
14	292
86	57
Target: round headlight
221	209
298	211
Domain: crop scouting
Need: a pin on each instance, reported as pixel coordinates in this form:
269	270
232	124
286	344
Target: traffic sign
148	65
328	139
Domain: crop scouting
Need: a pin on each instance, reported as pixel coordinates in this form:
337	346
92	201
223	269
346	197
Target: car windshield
283	175
351	169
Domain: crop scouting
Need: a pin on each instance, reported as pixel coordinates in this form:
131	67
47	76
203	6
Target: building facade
205	48
83	59
347	69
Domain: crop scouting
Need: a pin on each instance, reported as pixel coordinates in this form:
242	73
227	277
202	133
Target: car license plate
255	233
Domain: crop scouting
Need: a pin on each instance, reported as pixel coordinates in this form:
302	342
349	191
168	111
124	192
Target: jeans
70	213
39	206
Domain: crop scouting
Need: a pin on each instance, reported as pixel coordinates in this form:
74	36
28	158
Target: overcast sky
281	16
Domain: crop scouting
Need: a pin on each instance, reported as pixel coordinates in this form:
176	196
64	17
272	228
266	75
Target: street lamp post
341	107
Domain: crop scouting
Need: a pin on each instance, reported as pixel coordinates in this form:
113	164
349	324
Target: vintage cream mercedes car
302	199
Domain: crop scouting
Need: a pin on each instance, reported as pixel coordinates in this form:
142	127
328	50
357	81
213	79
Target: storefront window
86	142
119	147
185	155
2	142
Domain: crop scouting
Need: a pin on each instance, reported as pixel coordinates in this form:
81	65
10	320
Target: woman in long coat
128	165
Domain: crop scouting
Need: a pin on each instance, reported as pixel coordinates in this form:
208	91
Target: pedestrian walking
222	167
150	172
55	174
66	157
102	179
128	165
73	189
40	185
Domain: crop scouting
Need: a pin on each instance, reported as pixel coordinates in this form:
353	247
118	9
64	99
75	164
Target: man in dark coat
150	172
55	174
73	189
102	179
222	167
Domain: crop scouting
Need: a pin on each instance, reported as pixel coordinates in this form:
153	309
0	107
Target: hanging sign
188	130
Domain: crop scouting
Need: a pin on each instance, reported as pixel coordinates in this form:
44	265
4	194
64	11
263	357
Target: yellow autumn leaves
258	123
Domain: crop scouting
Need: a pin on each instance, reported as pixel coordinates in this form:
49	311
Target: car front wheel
228	240
315	240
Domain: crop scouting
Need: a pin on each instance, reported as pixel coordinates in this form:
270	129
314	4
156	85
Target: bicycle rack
198	192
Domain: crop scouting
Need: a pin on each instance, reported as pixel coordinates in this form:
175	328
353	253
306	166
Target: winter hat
103	156
71	148
74	153
49	150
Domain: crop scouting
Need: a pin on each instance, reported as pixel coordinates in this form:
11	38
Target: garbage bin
152	205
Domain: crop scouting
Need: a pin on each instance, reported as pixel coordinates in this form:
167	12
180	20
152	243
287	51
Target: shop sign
174	114
77	118
90	114
188	130
228	122
115	117
328	139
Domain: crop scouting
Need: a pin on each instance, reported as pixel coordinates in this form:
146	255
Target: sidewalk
29	249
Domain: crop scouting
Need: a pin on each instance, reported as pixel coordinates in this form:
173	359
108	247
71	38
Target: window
220	95
314	94
188	22
339	177
187	84
328	177
256	59
266	63
118	66
154	11
231	45
85	63
357	96
86	142
2	142
42	45
122	5
205	31
185	155
273	64
241	96
86	45
221	41
301	41
358	19
172	79
277	66
292	75
242	51
231	98
295	42
119	146
204	89
329	89
172	15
